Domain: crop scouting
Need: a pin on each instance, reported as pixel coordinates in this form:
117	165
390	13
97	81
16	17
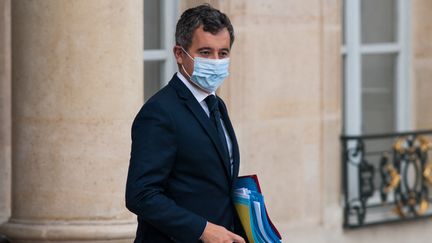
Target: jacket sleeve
153	155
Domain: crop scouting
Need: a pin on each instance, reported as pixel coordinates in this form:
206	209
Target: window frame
169	13
353	49
352	52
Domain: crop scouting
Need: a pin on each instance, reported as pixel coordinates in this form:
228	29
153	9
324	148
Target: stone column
77	84
5	110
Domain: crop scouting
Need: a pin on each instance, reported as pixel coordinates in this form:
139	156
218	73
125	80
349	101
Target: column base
69	231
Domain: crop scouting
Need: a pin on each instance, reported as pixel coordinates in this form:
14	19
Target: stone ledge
69	230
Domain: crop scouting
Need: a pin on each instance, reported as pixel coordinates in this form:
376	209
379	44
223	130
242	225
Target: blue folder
249	203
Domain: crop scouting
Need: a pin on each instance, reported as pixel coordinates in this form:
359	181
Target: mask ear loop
185	71
187	53
190	58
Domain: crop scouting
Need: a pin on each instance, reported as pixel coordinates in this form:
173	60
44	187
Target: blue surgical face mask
208	74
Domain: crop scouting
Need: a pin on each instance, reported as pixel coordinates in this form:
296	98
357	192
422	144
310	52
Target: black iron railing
386	178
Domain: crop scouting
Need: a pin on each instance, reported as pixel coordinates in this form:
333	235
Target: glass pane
152	78
378	21
378	96
378	104
152	24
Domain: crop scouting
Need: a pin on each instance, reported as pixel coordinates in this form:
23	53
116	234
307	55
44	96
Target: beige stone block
422	62
331	13
84	170
185	4
331	167
279	12
331	71
276	81
422	29
74	232
331	119
423	72
275	60
285	155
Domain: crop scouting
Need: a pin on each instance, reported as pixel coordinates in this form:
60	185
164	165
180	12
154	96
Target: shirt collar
199	94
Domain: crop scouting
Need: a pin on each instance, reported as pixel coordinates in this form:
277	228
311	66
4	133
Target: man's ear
178	54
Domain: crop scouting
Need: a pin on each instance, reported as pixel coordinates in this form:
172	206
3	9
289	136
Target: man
185	157
3	239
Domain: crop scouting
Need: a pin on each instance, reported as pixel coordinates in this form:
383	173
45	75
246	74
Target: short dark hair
210	18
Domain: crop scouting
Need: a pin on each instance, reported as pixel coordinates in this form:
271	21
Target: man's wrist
202	234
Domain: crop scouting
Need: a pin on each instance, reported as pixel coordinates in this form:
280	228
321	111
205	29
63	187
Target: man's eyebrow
209	48
205	48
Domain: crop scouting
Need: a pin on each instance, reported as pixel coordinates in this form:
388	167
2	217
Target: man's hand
217	234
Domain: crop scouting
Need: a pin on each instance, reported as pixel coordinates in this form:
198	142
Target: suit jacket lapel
196	109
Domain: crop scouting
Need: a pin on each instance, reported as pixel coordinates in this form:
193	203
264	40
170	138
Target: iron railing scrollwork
386	177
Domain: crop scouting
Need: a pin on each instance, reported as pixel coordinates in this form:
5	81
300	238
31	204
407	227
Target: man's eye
205	53
223	54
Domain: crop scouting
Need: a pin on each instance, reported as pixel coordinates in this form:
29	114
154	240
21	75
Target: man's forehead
203	38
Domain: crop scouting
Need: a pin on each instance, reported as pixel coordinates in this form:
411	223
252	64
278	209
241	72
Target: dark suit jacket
178	177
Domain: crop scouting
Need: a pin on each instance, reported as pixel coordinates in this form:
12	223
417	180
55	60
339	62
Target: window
377	95
160	17
379	168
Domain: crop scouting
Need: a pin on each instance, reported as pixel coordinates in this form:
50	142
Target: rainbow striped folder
249	203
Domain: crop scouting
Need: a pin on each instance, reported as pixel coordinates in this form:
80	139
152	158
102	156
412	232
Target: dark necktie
215	116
